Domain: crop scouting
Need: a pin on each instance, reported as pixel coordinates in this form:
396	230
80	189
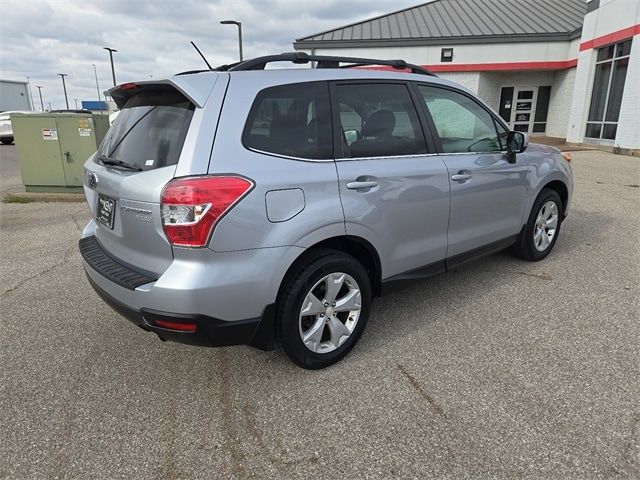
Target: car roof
304	74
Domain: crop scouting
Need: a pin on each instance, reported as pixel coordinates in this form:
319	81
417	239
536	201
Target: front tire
7	140
323	309
542	229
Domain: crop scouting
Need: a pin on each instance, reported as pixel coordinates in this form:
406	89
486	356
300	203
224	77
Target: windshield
149	131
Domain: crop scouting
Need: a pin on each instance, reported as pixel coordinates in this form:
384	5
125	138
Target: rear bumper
209	332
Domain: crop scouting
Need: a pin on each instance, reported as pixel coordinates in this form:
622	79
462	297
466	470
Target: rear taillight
192	206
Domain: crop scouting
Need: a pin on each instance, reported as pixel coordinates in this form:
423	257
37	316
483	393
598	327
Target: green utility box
52	148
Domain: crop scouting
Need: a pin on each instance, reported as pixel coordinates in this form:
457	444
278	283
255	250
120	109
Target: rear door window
149	130
378	120
291	120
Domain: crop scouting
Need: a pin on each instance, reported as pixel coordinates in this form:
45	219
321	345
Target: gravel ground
500	369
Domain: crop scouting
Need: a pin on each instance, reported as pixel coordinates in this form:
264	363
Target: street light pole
113	71
64	87
95	72
239	25
39	87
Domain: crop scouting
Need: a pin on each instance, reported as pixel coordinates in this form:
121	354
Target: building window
608	86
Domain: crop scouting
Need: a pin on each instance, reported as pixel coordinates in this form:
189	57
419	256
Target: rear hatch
124	179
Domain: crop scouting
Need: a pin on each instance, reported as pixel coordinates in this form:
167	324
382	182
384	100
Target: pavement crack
230	430
75	219
170	467
421	391
64	260
255	431
631	454
541	276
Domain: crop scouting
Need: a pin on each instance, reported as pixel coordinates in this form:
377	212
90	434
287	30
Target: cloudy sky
40	38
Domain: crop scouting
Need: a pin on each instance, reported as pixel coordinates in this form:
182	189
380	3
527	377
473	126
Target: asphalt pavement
499	369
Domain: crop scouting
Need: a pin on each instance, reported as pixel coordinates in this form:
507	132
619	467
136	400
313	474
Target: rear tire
542	229
7	140
322	308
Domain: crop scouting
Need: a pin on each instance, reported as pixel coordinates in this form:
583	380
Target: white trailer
15	96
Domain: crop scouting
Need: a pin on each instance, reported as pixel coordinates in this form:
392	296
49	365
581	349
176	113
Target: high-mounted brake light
127	86
192	206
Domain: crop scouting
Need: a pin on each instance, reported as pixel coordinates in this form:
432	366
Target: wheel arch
561	189
357	247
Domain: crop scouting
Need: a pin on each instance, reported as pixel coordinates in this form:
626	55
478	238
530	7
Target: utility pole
64	87
76	100
113	71
39	87
239	25
95	72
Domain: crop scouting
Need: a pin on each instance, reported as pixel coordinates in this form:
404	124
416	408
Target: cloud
41	38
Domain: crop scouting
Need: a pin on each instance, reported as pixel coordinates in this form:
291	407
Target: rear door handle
461	177
362	184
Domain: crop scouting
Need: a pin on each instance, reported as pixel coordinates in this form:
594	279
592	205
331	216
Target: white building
539	63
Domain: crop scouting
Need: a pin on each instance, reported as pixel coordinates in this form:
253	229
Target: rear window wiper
117	163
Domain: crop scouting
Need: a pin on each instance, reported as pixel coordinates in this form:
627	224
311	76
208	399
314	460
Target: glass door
523	111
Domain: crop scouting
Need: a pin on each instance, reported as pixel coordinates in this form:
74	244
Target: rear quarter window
291	120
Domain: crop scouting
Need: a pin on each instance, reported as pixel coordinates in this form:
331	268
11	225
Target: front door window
462	124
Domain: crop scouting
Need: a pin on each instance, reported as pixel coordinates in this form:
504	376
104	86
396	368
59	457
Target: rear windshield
149	131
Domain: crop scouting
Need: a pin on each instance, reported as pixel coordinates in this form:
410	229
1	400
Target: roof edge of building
6	80
418	42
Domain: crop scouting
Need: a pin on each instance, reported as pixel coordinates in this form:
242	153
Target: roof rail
323	61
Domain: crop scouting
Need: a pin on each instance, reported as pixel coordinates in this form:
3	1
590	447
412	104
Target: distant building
15	96
95	106
564	68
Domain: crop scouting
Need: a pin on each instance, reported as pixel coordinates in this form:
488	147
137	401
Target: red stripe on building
609	38
504	66
492	67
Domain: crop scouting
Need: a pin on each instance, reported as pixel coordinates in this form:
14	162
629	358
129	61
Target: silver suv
256	206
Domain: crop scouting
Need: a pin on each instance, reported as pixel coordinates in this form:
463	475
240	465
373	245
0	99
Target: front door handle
461	177
357	185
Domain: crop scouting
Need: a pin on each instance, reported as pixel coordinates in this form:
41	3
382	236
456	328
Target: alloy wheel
546	226
330	312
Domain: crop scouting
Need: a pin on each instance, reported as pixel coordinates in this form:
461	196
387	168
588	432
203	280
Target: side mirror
517	142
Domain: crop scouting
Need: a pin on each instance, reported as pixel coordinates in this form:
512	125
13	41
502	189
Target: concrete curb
30	197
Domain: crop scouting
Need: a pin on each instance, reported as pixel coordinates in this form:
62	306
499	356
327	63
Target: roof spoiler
195	89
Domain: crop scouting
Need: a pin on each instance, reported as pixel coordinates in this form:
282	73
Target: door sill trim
402	280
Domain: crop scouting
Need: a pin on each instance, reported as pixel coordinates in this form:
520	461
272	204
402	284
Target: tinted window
292	120
378	120
462	124
150	129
